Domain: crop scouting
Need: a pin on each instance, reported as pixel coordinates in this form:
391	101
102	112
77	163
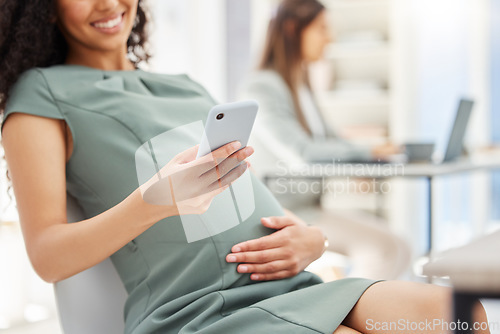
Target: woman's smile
97	31
110	24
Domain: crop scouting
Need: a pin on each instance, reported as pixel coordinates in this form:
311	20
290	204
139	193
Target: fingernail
255	277
248	150
266	220
243	269
236	145
236	249
231	258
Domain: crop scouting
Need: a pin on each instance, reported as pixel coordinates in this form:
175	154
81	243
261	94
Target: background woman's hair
283	47
29	37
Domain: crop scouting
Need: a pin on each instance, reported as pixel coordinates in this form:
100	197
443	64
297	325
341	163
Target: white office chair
93	300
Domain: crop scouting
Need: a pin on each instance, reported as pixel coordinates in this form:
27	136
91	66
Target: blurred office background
395	71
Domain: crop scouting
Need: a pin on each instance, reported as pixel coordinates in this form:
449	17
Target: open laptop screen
456	140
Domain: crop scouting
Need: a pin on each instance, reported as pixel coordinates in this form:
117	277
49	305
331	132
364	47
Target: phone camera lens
219	116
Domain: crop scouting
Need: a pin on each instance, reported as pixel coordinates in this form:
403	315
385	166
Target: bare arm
35	152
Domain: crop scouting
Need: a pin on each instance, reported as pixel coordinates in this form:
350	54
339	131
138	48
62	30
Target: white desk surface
385	170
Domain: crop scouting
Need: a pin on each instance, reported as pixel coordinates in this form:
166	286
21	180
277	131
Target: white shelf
355	17
358	50
357	92
356	4
368	98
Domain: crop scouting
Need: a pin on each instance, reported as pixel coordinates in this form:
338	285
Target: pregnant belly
175	272
172	258
250	228
250	207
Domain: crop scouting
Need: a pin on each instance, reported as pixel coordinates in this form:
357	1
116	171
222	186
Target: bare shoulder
21	129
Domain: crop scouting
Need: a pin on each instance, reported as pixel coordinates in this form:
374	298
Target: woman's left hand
281	254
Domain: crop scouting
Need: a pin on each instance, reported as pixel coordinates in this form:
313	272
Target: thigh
401	307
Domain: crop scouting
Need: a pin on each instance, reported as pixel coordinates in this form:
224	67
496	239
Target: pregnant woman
76	110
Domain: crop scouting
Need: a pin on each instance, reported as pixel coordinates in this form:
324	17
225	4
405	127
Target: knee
479	314
437	302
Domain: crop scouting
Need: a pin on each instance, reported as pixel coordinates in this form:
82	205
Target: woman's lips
109	25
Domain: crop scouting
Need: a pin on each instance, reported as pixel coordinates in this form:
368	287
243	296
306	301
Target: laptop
454	146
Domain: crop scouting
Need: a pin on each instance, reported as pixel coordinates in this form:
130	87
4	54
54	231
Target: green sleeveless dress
175	285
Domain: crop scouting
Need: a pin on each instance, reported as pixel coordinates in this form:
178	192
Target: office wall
238	15
495	98
441	55
190	37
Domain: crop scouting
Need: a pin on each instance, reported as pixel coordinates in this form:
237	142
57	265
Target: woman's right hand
383	151
187	185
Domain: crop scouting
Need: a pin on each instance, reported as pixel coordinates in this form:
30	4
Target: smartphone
227	123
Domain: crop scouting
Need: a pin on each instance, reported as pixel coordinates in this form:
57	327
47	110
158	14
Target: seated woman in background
76	110
289	129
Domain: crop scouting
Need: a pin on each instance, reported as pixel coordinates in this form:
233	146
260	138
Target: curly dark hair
29	38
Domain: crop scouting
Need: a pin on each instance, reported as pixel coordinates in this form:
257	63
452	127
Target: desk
387	170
